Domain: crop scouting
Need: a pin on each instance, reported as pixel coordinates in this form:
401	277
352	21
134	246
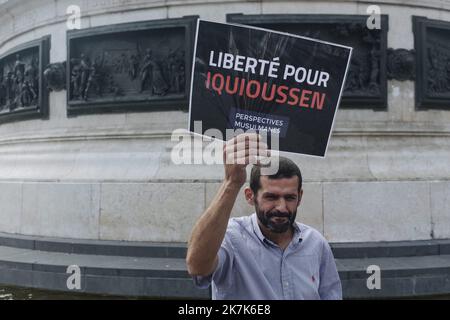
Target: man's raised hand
244	149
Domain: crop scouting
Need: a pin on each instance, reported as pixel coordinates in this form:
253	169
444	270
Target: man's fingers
245	148
242	152
249	137
238	146
252	156
251	152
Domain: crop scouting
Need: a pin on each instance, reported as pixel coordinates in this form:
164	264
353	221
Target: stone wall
386	176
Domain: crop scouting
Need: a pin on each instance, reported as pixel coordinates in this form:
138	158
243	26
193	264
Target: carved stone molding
366	85
401	64
130	67
22	91
55	75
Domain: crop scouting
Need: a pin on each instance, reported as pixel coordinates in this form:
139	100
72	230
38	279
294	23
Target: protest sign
256	79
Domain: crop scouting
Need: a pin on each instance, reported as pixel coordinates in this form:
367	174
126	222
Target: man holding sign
289	88
267	255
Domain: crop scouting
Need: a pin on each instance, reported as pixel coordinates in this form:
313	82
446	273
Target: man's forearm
209	231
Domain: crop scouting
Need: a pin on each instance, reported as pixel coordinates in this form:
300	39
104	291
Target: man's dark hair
287	169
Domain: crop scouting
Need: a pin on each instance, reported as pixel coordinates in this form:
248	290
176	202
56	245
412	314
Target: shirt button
287	284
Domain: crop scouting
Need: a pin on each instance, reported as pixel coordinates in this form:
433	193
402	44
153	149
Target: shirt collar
256	228
296	239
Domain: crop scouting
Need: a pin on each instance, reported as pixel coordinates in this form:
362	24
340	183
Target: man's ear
300	195
249	196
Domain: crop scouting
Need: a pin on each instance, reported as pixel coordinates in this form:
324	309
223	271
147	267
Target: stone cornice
102	135
93	8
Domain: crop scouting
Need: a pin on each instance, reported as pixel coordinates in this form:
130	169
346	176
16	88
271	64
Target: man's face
276	203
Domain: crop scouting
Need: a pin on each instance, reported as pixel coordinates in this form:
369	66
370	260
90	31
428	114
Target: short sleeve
222	275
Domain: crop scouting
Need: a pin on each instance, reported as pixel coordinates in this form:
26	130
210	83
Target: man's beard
267	219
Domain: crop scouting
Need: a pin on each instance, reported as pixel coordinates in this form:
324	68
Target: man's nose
281	205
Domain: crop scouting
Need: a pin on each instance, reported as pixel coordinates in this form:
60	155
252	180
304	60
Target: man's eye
291	198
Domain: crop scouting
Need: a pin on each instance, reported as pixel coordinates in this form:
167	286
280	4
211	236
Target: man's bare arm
209	231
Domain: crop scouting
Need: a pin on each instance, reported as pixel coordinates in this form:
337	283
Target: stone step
100	274
400	276
178	250
95	247
391	249
168	277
